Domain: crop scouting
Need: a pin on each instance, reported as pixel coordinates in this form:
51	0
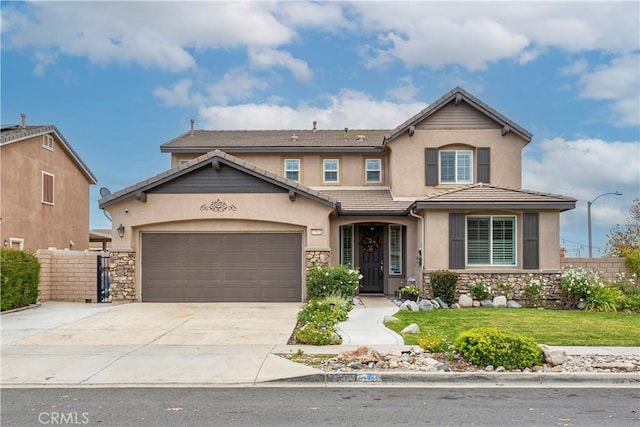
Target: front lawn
551	327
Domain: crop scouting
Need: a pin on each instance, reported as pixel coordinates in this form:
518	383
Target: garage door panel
221	267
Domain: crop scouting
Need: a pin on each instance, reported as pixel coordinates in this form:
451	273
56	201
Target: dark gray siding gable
209	180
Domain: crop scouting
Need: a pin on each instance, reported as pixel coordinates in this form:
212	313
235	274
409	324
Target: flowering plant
332	280
577	284
481	291
410	290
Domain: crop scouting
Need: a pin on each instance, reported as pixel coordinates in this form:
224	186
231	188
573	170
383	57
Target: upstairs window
456	167
292	169
47	188
373	170
47	142
330	171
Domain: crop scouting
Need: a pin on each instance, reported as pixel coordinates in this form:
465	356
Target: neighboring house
243	213
44	191
100	239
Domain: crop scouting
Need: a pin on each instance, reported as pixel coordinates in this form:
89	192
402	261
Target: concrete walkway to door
365	325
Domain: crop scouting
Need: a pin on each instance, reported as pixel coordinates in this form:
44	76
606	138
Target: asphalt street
320	406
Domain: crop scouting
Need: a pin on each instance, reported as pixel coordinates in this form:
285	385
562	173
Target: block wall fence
67	275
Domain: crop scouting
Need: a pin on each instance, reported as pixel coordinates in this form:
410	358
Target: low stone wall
513	281
67	275
317	258
607	267
123	276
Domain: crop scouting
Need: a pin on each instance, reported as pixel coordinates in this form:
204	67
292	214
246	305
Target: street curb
450	378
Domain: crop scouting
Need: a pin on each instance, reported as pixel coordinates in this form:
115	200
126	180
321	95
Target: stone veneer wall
318	258
123	276
67	275
550	292
607	267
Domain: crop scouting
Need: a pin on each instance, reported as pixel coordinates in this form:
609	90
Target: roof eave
263	149
546	205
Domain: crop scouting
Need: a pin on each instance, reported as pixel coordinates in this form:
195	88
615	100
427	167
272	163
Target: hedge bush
327	311
489	346
19	279
323	281
443	285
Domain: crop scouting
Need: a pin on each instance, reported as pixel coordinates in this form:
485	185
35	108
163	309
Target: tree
625	239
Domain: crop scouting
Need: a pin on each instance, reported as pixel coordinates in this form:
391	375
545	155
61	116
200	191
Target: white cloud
234	85
342	110
178	95
575	68
405	90
269	58
618	82
584	169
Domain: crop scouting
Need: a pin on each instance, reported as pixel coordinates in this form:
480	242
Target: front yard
551	327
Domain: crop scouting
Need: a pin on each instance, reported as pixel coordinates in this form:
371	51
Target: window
373	170
330	170
456	167
395	250
292	169
346	245
47	142
47	188
491	240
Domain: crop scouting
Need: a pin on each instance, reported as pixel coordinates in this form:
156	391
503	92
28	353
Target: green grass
551	327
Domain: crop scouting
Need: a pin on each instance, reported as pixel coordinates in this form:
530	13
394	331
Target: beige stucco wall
22	211
407	158
437	242
352	166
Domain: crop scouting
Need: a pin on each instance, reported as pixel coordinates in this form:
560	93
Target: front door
371	259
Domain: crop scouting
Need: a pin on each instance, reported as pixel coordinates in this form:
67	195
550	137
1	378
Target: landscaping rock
455	305
411	329
486	303
513	304
390	319
581	305
476	303
441	303
465	301
435	303
362	355
425	305
500	301
554	357
413	306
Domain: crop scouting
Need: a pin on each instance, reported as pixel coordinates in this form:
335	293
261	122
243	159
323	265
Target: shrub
489	346
576	284
631	302
633	262
327	311
434	343
507	289
410	290
327	280
604	298
532	291
314	334
443	285
19	279
481	291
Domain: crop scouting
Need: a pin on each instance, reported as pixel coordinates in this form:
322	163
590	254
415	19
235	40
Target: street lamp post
616	193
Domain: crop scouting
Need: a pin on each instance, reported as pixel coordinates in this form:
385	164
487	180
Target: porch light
121	231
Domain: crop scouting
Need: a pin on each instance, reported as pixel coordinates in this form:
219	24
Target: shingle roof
455	95
368	202
198	162
491	196
276	140
13	134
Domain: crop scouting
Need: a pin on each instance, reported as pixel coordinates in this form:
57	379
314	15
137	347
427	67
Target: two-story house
44	190
242	214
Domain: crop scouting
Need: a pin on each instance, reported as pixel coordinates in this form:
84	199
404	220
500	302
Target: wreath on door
370	242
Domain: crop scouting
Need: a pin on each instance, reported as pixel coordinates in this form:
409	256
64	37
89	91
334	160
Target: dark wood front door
372	266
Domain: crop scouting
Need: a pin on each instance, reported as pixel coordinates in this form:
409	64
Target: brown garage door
252	267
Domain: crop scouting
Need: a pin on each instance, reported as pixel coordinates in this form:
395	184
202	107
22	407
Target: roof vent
361	138
314	125
24	121
346	134
294	137
192	131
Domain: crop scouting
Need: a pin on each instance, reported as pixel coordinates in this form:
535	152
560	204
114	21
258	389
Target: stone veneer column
123	275
317	258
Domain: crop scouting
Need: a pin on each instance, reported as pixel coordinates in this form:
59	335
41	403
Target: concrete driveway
144	343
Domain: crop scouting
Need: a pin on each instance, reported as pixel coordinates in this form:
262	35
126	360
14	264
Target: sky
120	78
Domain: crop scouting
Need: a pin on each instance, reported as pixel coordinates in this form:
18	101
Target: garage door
256	267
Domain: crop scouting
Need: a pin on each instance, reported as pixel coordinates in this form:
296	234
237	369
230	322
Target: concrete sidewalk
72	344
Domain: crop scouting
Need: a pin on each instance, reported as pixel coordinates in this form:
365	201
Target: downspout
412	212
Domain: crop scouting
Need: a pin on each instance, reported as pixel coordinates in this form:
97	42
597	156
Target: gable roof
485	196
209	159
458	95
304	140
17	133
